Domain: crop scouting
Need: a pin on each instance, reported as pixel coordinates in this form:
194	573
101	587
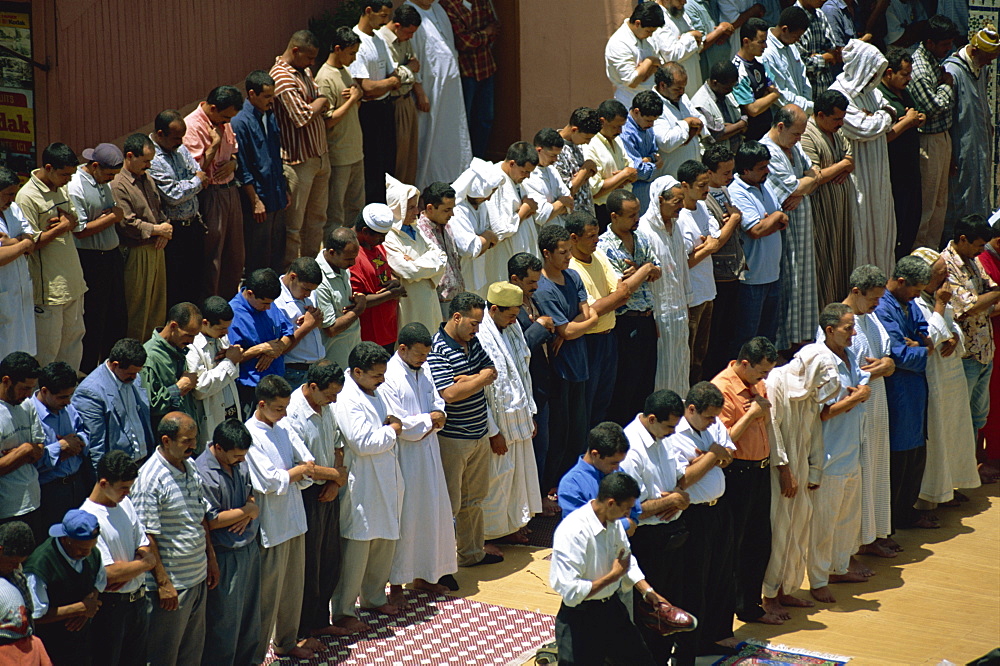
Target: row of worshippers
264	534
242	183
860	434
913	108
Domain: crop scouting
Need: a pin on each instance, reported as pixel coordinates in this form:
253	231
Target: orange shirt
753	445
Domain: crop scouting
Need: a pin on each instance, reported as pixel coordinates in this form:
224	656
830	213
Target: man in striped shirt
299	112
171	505
462	369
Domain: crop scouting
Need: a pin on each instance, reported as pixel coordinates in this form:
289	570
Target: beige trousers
405	113
836	519
347	196
364	572
145	290
282	569
466	465
309	183
59	333
935	163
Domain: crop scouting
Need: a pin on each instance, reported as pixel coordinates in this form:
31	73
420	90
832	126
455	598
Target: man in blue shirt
264	194
640	142
835	480
65	481
759	304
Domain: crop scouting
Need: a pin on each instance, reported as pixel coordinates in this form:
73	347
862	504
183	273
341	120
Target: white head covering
864	66
378	217
478	181
652	215
397	196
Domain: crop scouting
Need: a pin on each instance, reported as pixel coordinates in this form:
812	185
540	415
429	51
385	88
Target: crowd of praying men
252	379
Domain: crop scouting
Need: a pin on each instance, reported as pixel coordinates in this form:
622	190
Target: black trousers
748	500
378	129
659	550
636	367
594	631
67	493
184	257
567	428
707	590
603	216
322	559
906	471
104	314
119	630
264	242
720	341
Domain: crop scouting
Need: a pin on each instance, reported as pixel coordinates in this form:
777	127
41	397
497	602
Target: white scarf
508	391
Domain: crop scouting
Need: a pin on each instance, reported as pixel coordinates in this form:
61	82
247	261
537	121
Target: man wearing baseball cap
65	575
373	277
97	244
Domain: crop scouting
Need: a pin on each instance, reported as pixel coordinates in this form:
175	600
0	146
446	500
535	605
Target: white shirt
215	388
545	186
317	431
39	588
372	500
693	225
622	56
19	489
686	443
121	535
672	134
310	348
650	462
584	550
282	514
373	61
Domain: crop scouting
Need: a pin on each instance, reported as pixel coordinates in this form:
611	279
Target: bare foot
352	624
550	507
385	609
773	618
823	594
773	607
729	642
421	584
297	652
847	578
311	644
877	549
794	602
856	567
890	543
493	549
332	630
397	598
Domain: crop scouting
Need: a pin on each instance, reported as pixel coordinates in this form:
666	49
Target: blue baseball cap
77	524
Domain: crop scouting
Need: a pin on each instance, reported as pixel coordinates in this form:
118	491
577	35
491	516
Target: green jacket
164	366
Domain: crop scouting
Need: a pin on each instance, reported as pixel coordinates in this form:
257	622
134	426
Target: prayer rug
438	630
754	652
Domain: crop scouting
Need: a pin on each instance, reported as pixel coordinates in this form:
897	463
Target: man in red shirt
372	276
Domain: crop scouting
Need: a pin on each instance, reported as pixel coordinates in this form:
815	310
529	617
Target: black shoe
488	558
449	582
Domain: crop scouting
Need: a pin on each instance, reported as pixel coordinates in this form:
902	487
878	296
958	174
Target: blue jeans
977	376
479	112
757	309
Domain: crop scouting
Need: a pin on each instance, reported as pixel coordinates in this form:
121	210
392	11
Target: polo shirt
763	255
333	295
171	505
562	303
467	418
224	491
251	327
317	431
599	279
90	201
842	434
754	444
19	490
693	225
121	535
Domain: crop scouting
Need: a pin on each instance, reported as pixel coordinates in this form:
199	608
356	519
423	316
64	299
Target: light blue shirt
786	69
310	348
175	175
763	255
842	433
40	590
640	143
56	425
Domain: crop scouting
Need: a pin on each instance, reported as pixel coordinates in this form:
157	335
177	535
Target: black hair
611	109
939	28
19	366
116	466
663	404
216	309
464	303
57	377
414	333
724	72
522	262
648	103
608	439
303	39
617	199
376	5
340	238
165	118
619	487
667	73
750	154
756	350
586	120
232	434
794	18
548	138
522	152
896	57
689	170
170	425
704	395
577	222
183	314
59	156
829	100
225	97
715	155
435	193
648	15
750	29
16	539
8	178
974	227
264	283
323	374
550	236
137	144
366	355
271	387
307	269
344	37
406	16
127	353
256	80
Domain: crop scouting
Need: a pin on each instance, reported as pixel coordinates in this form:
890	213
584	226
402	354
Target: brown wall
116	63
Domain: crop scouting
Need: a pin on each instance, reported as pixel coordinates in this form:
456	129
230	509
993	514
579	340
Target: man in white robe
678	41
514	496
372	500
629	59
545	186
425	553
511	210
444	130
797	392
672	291
679	126
417	263
470	224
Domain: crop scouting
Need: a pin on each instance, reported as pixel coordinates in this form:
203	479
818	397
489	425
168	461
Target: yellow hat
986	40
505	295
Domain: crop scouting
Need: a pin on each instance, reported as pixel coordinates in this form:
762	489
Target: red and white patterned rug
439	630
